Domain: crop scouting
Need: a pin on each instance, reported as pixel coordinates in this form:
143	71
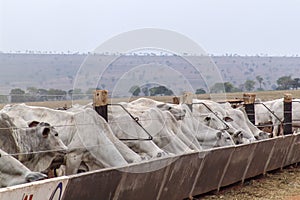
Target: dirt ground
280	184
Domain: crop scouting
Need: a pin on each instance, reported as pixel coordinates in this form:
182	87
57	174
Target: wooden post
176	100
100	102
188	100
249	99
287	112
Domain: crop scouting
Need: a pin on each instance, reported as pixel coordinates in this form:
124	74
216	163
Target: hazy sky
220	26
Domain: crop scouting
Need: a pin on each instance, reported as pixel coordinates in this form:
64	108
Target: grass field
262	95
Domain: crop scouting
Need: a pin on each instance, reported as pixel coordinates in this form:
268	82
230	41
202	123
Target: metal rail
136	119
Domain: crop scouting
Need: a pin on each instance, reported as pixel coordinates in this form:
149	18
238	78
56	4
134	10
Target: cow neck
23	144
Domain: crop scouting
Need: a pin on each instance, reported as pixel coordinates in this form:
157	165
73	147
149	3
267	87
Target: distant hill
59	71
238	69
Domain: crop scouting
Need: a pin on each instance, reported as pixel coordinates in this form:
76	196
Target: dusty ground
281	184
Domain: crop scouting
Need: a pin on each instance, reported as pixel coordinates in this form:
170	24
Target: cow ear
46	132
33	124
161	105
207	119
34	176
228	119
219	135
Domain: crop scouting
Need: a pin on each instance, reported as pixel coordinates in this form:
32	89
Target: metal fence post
176	100
188	100
100	102
249	99
287	112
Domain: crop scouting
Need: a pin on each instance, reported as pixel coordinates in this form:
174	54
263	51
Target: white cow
176	110
159	119
175	135
13	172
171	112
232	120
204	135
36	145
88	137
264	116
159	124
241	120
219	119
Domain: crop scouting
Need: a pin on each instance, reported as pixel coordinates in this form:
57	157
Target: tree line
33	94
283	83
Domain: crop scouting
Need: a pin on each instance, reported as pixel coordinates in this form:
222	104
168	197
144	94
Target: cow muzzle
57	161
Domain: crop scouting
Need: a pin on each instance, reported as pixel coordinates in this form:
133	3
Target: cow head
223	139
176	110
220	123
215	139
34	176
262	136
238	138
44	141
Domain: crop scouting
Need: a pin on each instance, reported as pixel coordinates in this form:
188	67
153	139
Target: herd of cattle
37	142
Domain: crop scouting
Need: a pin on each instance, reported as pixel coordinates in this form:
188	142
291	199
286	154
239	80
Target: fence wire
111	123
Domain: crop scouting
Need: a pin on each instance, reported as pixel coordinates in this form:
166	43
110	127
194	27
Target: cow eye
56	134
46	132
169	108
207	118
228	119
